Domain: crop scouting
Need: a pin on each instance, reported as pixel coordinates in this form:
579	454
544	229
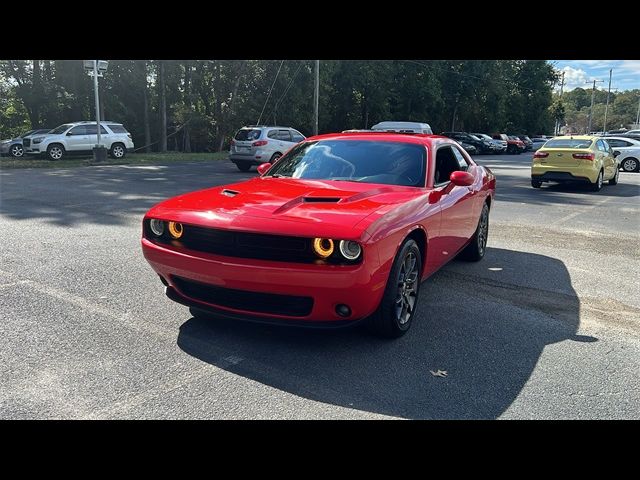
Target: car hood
284	205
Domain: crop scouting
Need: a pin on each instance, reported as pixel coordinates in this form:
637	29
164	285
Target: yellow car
575	158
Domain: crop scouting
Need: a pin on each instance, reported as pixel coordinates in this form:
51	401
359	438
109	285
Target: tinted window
284	135
79	130
568	143
391	163
117	129
614	142
60	129
247	134
296	136
446	163
273	134
93	130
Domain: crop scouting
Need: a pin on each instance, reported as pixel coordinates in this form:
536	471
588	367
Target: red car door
457	213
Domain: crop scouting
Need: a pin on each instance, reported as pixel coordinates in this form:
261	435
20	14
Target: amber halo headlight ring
323	247
350	250
175	229
156	226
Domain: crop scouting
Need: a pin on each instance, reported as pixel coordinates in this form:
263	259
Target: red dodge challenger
343	227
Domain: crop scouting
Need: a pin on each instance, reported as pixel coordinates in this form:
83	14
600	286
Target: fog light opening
343	310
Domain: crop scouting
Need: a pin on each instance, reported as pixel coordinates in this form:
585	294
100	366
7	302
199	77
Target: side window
296	136
93	130
446	164
272	134
284	135
600	145
79	130
615	143
462	162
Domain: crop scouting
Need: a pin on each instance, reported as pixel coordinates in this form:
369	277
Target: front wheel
477	247
397	308
595	187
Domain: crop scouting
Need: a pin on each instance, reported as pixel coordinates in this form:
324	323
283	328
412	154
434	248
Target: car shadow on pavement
487	334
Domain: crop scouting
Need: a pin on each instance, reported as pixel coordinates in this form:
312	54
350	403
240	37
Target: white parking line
580	212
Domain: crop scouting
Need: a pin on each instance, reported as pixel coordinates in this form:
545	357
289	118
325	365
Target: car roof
616	137
576	137
417	138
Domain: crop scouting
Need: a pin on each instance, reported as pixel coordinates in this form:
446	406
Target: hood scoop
321	199
229	193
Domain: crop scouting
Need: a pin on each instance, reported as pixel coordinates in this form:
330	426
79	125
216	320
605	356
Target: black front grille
259	302
257	246
26	142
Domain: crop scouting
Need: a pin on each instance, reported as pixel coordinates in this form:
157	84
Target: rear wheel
478	245
117	151
55	152
630	165
614	180
243	166
397	308
536	183
598	184
16	150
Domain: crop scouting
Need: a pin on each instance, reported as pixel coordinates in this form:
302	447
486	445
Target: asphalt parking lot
547	326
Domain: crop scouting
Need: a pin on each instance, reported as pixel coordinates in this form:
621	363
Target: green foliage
207	101
621	113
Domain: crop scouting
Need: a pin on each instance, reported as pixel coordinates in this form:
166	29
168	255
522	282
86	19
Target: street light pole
606	108
593	92
316	97
95	93
638	115
557	129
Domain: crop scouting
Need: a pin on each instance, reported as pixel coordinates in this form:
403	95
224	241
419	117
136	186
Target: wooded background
197	105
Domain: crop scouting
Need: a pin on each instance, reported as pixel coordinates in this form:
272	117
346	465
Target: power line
269	94
275	107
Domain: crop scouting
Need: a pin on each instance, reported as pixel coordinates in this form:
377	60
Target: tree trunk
187	140
36	94
145	100
163	109
47	70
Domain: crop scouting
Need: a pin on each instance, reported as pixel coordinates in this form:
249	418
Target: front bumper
358	286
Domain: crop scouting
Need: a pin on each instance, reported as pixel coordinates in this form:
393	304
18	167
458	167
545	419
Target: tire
117	151
536	183
243	167
595	187
275	157
476	249
55	152
16	151
394	315
614	180
630	164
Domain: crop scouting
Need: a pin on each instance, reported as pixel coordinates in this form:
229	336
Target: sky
626	74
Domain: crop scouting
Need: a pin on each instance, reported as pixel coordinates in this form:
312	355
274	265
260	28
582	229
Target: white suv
80	137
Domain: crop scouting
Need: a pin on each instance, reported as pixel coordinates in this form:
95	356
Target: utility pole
557	129
316	98
606	108
638	115
95	93
593	92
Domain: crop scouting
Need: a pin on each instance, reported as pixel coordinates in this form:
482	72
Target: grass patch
130	159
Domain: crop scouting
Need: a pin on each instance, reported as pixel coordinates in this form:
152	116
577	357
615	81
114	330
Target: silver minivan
254	145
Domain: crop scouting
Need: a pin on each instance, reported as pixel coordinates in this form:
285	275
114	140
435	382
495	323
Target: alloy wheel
17	151
407	289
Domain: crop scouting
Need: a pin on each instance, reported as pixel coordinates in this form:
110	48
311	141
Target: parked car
80	138
528	143
497	146
403	127
519	144
513	145
635	136
575	159
333	233
471	150
629	148
482	145
256	144
537	142
14	147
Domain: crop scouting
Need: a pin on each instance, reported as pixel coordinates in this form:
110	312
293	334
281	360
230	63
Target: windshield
60	129
391	163
26	133
568	143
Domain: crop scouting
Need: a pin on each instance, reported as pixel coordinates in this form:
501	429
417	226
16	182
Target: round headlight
157	226
175	229
350	250
323	247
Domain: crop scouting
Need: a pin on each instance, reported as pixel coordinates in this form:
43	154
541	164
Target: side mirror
461	179
263	168
616	153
